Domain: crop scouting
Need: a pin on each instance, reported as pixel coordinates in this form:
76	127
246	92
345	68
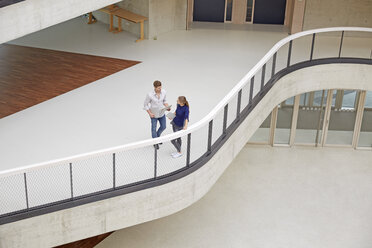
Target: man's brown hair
157	83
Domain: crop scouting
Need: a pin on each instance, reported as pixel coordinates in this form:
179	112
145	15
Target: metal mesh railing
92	174
44	187
165	162
135	164
13	195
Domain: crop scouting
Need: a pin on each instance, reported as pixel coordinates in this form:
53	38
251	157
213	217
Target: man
154	104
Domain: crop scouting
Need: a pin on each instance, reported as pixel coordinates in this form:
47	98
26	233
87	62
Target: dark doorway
269	11
209	10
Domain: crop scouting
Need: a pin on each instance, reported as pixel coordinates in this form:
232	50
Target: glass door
342	117
310	117
249	12
262	135
284	122
365	136
228	10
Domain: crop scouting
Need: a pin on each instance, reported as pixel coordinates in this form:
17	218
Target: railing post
263	76
289	53
274	64
113	171
209	148
251	87
155	161
312	47
239	105
188	150
342	39
71	184
26	191
225	113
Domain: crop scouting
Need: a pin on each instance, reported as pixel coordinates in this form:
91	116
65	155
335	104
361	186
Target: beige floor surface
272	197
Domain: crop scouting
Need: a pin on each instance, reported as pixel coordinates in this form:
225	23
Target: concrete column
166	16
298	16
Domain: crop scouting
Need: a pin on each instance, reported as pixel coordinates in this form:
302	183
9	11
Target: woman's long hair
183	100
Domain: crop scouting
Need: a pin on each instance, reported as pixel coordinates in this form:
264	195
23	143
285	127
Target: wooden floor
29	76
86	243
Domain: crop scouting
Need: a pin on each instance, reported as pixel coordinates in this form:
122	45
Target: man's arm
167	106
150	113
146	106
165	101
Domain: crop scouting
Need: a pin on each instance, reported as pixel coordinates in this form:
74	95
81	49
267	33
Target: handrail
198	124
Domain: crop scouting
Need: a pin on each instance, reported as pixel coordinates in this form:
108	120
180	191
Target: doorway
269	11
239	11
209	10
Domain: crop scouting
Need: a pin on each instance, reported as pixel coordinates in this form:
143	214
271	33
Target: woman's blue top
182	114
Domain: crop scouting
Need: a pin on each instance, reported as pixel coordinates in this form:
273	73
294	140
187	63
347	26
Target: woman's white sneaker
176	155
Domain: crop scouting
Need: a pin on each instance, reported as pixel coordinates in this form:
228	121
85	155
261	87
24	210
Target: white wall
127	210
332	13
166	16
29	16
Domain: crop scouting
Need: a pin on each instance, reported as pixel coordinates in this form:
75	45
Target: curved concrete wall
116	213
26	17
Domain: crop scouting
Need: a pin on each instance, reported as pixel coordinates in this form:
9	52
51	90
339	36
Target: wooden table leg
91	18
119	24
142	34
111	23
119	29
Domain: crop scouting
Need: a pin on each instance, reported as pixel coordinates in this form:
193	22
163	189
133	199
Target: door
342	117
209	10
310	118
239	11
269	11
284	122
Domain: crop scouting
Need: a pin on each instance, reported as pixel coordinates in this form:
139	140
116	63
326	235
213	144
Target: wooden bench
129	16
120	13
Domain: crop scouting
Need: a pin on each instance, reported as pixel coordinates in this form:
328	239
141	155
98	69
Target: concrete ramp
145	205
29	16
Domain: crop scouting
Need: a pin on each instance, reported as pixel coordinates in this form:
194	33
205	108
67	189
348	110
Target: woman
180	122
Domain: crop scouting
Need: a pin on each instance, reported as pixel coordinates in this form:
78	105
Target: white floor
202	64
272	197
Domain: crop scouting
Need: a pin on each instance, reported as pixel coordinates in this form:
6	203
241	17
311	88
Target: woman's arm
185	125
186	118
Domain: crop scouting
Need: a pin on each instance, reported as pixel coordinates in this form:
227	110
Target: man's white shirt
154	103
